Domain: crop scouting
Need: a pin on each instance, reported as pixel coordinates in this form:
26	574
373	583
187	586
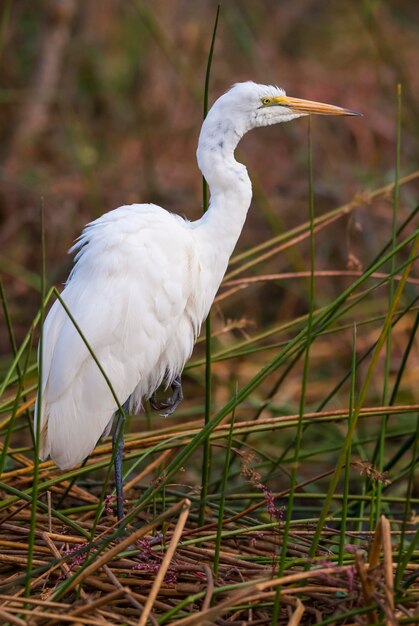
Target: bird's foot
170	405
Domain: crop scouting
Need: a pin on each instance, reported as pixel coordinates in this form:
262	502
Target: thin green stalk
401	369
207	429
206	458
327	331
40	318
399	454
23	346
407	508
360	360
387	364
318	495
235	351
32	529
348	455
365	355
362	396
344	616
367	485
298	437
21	495
382	251
284	237
118	404
90	349
20	377
391	401
267	370
407	557
70	486
9	324
15	407
222	497
314	452
267	402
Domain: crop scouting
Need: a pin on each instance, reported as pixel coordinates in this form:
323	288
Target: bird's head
246	106
251	105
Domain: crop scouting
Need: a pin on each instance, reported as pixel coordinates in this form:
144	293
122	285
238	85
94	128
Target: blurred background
101	104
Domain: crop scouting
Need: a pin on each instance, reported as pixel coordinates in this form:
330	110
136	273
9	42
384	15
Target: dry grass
172	574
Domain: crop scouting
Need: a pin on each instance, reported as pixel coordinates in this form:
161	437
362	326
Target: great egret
143	282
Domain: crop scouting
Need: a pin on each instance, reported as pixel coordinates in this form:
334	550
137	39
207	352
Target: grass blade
206	458
362	395
32	529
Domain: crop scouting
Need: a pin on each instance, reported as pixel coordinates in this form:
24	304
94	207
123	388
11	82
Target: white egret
143	282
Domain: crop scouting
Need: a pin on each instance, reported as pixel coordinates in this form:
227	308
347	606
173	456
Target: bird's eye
266	101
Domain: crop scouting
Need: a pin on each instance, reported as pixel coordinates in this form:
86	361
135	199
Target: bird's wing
133	281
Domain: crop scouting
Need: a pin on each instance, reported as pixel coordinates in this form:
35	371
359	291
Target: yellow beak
308	106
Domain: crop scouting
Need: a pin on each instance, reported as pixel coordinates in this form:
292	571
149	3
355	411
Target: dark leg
118	443
170	405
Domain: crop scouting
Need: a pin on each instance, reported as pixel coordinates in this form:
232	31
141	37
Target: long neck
230	189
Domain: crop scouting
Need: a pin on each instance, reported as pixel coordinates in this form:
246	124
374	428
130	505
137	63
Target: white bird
143	282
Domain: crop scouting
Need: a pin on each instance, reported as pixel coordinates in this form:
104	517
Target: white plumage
129	296
143	282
